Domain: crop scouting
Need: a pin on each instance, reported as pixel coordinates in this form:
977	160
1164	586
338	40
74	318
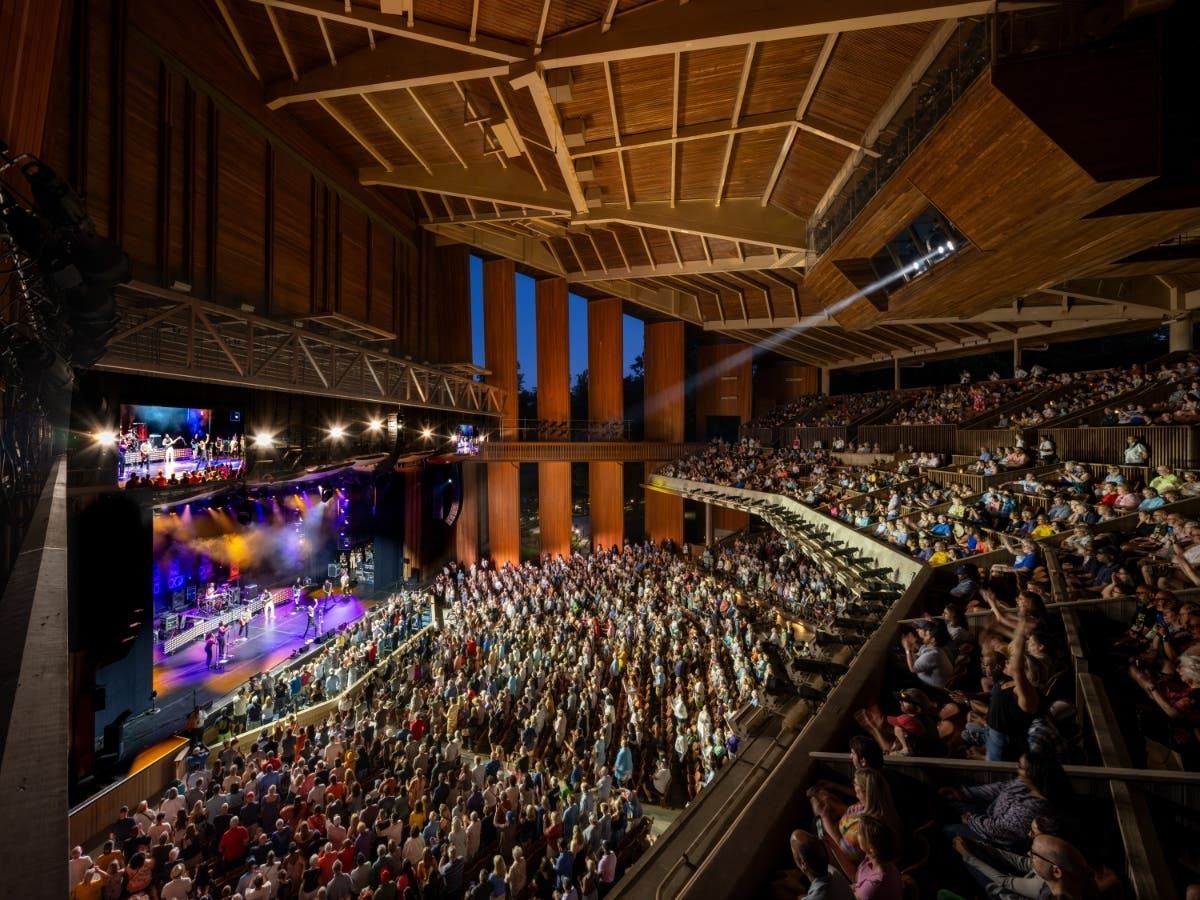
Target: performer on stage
310	610
244	626
268	606
297	594
210	643
221	630
144	449
122	446
328	587
345	579
169	443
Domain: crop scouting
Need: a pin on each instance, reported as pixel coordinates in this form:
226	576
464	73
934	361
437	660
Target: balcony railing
565	430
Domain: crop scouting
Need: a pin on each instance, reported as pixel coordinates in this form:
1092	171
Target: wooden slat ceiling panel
256	31
608	178
699	168
722	249
708	84
642	88
690	247
780	74
408	119
585	251
319	123
758	298
750	166
781	300
345	38
660	246
589	101
606	243
631	243
370	126
562	251
862	73
756	250
649	172
811	165
446	107
303	36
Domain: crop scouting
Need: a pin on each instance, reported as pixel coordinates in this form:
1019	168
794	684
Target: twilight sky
527	328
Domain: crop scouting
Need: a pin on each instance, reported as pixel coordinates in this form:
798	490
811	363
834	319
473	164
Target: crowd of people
747	463
506	754
225	471
955	404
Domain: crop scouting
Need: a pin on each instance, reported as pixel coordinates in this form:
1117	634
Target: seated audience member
878	877
815	878
1000	814
1063	871
839	825
925	653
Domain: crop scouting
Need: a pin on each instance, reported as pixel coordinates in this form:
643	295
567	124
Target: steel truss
172	335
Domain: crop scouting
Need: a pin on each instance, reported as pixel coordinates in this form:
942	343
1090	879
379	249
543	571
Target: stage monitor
466	440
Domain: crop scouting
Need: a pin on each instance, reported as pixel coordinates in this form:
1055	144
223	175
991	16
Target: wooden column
553	405
466	529
414	522
723	389
500	350
606	404
663	407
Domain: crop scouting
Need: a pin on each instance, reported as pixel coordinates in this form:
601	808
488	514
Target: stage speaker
99	697
333	570
114	735
179	601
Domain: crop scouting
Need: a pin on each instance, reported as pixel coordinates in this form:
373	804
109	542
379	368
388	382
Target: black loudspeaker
114	735
99	697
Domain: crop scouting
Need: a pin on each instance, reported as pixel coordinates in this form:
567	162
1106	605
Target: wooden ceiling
671	152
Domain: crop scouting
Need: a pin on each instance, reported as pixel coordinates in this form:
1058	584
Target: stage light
264	441
375	425
950	246
427	433
106	438
337	432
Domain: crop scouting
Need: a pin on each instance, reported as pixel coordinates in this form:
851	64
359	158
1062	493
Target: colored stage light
264	441
106	438
337	432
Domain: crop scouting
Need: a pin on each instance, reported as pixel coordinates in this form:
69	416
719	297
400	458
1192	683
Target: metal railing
933	99
565	430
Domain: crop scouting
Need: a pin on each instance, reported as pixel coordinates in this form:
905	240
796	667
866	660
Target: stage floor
182	679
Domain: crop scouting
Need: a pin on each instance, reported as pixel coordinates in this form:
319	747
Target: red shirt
234	842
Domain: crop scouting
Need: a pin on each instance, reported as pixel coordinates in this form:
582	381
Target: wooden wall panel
504	513
140	148
241	214
723	384
554	507
782	383
664	515
606	361
291	247
606	490
500	331
553	351
30	34
726	519
177	159
381	308
352	262
446	287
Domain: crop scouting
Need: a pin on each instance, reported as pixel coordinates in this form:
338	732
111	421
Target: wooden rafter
552	125
283	43
396	133
436	126
333	61
236	33
517	136
356	134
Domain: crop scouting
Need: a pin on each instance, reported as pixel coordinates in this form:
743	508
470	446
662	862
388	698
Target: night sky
527	328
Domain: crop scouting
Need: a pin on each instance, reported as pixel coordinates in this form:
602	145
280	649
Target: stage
182	680
183	464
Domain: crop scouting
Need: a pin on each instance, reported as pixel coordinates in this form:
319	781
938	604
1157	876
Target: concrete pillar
709	527
896	373
1016	356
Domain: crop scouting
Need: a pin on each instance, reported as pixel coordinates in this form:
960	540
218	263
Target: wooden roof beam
385	23
547	112
678	134
734	220
395	65
509	186
686	267
236	34
528	251
661	28
356	134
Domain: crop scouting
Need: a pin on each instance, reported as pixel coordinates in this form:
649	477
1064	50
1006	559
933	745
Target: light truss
171	335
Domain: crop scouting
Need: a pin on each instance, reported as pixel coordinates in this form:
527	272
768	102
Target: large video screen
172	444
466	440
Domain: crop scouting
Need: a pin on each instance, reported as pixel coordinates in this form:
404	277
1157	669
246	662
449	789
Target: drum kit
215	601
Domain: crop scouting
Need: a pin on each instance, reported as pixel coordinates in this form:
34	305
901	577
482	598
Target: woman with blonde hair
516	873
840	826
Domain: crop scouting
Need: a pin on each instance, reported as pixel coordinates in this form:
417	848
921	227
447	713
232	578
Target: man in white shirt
178	887
79	864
